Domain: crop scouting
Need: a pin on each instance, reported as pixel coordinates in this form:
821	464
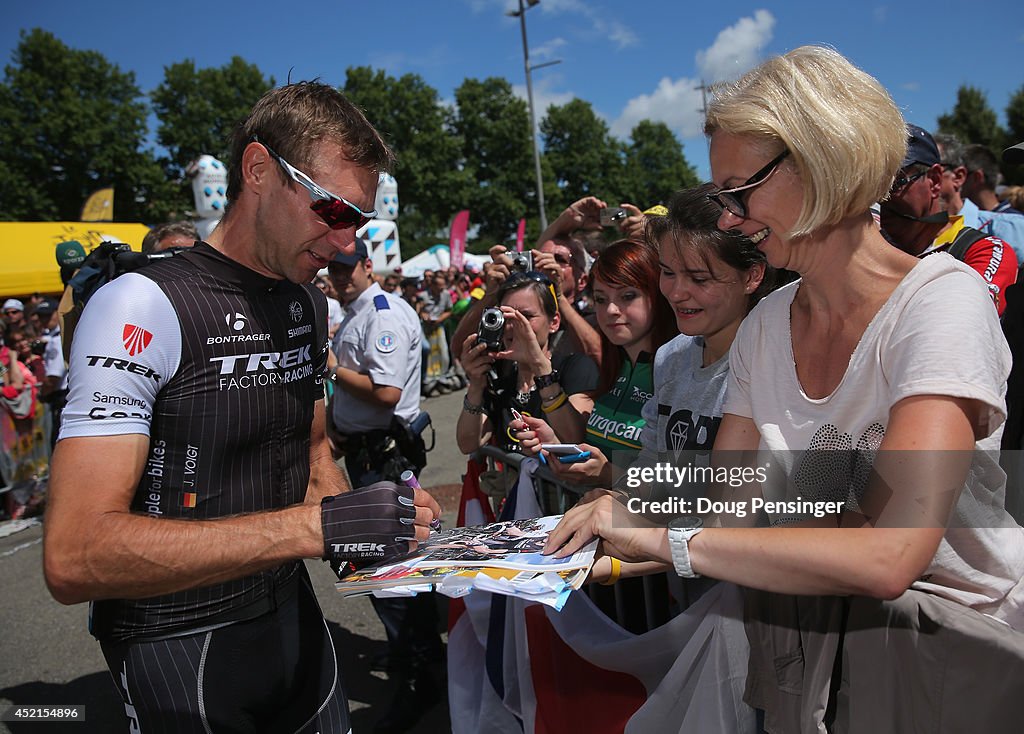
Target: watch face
686	522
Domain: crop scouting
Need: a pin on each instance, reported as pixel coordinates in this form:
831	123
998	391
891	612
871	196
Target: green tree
199	109
655	165
432	185
585	158
70	123
1015	134
972	120
493	125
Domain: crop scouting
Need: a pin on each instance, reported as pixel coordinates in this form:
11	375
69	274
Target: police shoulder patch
386	342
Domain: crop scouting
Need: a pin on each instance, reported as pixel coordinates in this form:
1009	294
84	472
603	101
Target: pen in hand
409	480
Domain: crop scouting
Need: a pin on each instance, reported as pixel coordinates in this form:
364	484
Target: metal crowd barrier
638	604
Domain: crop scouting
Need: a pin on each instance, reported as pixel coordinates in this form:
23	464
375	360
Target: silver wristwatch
680	530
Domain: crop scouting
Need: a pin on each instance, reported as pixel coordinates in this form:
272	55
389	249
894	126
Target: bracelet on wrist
471	408
616	572
542	381
559	401
552	398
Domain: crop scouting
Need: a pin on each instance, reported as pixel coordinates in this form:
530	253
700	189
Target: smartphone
612	215
574	458
562	449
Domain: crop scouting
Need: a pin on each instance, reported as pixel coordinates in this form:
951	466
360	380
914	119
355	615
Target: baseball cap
921	148
46	306
70	253
357	256
1014	155
13	303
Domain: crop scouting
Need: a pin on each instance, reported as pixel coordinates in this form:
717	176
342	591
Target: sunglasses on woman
336	211
537	277
732	199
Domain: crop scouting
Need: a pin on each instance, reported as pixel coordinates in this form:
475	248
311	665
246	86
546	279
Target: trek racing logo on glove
376	549
263	369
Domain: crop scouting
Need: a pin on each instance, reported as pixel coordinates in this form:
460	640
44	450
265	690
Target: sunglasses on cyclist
902	181
732	199
336	211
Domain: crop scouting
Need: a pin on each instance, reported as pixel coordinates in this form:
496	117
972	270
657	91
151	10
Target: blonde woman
863	388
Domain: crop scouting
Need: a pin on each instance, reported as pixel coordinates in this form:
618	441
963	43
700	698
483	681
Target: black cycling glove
369	523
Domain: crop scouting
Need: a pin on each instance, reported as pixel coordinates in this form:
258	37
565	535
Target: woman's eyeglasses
732	199
336	211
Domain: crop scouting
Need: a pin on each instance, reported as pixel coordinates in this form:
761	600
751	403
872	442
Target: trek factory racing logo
264	369
362	549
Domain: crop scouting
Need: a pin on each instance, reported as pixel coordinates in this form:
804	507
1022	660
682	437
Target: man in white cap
14	313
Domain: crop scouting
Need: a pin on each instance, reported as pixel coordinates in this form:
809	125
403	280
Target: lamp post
524	5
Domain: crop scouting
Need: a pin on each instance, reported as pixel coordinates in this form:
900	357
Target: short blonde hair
845	135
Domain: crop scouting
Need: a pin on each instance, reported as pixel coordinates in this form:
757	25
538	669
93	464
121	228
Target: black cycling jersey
222	368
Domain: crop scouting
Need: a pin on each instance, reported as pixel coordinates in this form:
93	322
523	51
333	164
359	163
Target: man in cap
377	382
70	256
193	475
14	314
913	219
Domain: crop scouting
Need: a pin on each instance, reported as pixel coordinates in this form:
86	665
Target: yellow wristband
558	403
616	570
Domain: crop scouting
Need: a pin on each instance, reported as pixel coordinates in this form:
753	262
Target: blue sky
631	60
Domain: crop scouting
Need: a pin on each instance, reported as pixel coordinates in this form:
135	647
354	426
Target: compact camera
612	215
492	329
522	262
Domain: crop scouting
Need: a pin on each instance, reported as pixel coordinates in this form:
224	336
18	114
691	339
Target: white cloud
547	50
676	103
614	30
880	13
679	103
737	48
911	86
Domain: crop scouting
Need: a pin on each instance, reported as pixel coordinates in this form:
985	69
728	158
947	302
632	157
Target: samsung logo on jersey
233	338
292	333
264	368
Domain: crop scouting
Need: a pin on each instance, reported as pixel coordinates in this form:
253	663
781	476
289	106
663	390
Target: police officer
376	379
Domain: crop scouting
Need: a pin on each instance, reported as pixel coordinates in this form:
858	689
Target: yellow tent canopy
27	263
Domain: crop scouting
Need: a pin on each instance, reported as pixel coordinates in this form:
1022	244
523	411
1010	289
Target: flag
457	239
99	207
190	500
577	670
520	235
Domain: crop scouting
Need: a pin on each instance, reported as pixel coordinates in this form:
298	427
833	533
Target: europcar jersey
221	367
616	422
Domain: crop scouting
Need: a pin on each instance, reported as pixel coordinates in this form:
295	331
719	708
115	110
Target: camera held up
492	330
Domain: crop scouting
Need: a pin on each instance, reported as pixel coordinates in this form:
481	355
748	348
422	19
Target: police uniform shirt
379	337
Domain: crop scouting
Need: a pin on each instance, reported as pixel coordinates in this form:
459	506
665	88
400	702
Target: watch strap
679	545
